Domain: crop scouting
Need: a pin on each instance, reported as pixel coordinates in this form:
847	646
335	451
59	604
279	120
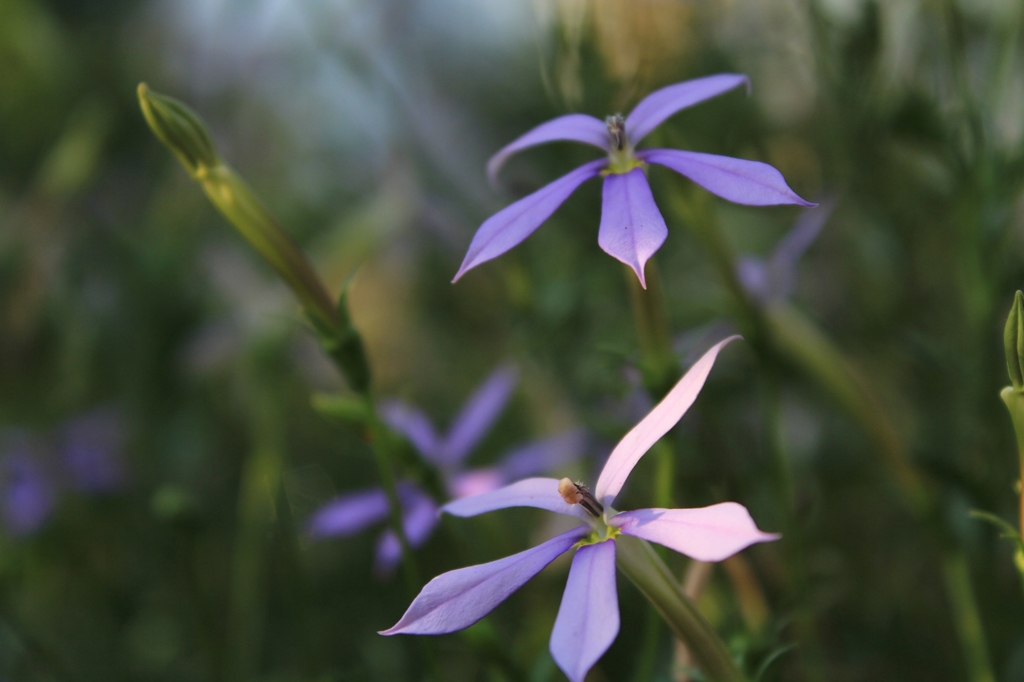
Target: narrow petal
751	183
457	599
632	228
543	455
707	534
508	227
805	231
569	128
588	619
348	514
414	425
478	414
541	493
420	519
660	104
655	425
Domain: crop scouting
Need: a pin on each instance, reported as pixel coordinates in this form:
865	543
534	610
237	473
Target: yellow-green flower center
620	152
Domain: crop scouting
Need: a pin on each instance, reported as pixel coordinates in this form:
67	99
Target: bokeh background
160	453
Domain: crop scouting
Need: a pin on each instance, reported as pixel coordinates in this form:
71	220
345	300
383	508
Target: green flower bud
1013	342
180	129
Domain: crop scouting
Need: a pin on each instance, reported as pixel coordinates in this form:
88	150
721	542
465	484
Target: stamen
617	131
577	493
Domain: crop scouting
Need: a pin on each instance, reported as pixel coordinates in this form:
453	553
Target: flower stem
378	437
1014	401
966	617
658	364
648	572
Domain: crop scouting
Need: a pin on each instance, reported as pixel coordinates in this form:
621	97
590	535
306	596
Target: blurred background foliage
159	453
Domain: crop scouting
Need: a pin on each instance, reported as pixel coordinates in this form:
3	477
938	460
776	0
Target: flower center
620	152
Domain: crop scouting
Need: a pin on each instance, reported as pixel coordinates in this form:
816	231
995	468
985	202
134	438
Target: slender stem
260	485
1015	404
966	616
648	572
378	438
658	363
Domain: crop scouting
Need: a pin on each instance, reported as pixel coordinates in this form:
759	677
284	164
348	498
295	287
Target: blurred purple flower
632	228
773	279
351	513
588	618
27	495
31	479
91	447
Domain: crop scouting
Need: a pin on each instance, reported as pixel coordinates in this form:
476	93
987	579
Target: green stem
966	617
260	484
658	363
378	437
645	569
1014	400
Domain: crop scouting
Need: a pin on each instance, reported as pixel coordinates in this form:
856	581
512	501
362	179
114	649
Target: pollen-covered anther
616	131
577	493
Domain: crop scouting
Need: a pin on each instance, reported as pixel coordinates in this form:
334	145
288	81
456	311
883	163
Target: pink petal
541	493
632	228
588	619
660	104
655	425
751	183
569	128
478	414
508	227
707	534
457	599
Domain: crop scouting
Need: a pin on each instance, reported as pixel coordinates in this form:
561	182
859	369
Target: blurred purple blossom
588	618
632	228
91	447
89	460
773	279
27	495
351	513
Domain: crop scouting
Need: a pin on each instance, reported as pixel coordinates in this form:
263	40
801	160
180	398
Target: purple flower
632	228
91	450
588	618
773	279
27	495
351	513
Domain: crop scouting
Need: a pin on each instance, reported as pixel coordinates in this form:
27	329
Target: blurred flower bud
1013	342
180	129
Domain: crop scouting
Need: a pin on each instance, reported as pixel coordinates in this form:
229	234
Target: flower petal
707	534
478	414
588	619
543	455
414	425
541	493
508	227
660	104
632	228
457	599
348	514
570	128
420	519
751	183
655	425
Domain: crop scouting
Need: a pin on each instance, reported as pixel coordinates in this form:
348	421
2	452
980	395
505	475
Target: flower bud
1013	342
180	129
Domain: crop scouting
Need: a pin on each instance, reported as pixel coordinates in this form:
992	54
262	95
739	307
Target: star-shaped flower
588	618
632	228
351	513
